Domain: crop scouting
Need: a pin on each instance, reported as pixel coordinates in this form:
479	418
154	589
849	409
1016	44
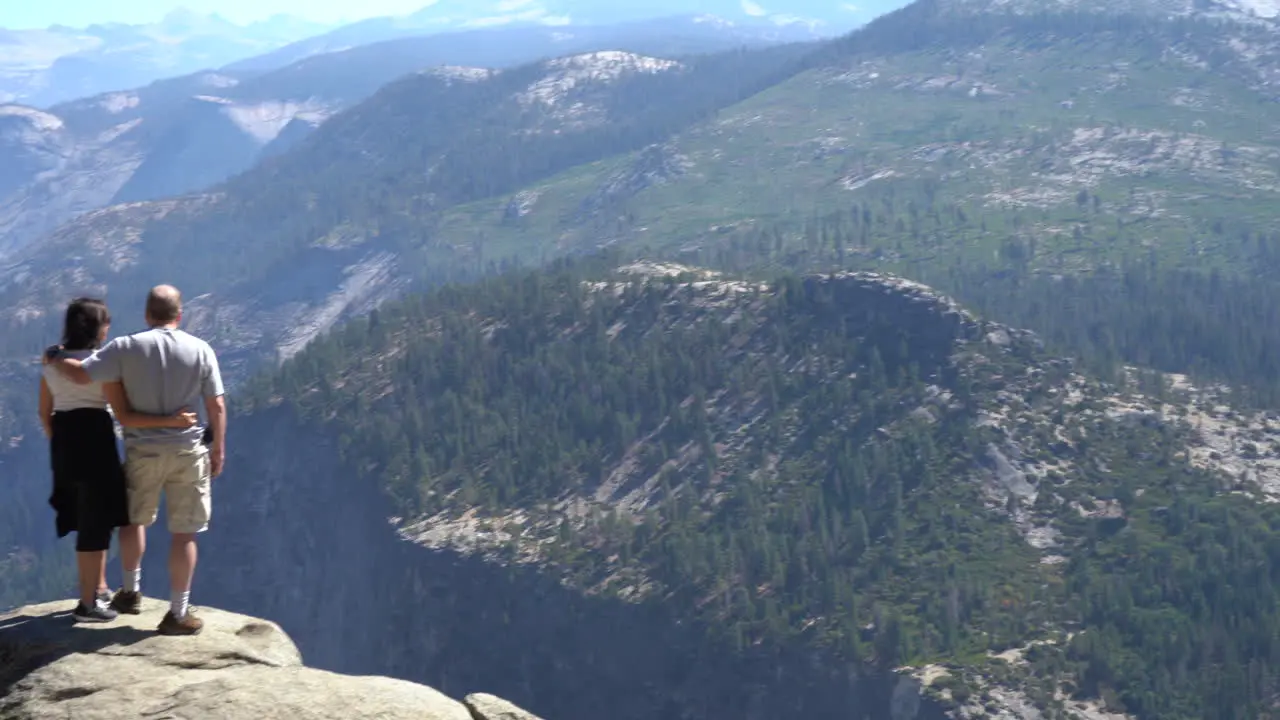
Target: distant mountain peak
568	73
114	56
183	20
713	20
182	13
612	62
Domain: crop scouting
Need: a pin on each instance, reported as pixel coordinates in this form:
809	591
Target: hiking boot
189	625
98	613
129	603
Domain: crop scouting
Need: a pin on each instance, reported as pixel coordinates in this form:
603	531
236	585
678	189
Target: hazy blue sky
17	14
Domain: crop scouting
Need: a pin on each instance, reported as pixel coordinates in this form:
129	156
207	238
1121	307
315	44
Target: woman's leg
92	543
93	569
103	587
91	556
93	467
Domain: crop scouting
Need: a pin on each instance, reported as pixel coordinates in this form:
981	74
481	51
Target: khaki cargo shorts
181	473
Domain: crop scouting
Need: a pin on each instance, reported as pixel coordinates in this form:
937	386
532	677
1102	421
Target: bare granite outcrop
239	667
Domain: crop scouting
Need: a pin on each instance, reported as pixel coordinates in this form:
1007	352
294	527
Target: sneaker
189	625
99	613
129	603
103	597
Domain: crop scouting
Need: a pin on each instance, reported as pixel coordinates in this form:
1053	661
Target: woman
89	495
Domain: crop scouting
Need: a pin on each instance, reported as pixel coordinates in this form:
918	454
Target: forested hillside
1104	137
1149	310
849	463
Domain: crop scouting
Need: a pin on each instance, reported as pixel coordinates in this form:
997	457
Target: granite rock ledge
239	668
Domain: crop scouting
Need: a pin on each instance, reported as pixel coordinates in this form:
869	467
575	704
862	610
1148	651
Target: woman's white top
70	396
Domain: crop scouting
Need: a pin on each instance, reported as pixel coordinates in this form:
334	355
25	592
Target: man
160	371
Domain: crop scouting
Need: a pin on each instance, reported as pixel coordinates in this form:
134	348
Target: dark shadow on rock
29	643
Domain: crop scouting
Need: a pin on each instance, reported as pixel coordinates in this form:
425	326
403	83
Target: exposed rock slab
238	668
488	707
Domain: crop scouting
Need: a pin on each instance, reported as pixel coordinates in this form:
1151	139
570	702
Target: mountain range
1154	131
58	63
44	67
1036	479
187	133
794	21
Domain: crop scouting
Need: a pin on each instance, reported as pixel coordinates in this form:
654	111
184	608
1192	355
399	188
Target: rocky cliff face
177	136
50	173
238	667
57	168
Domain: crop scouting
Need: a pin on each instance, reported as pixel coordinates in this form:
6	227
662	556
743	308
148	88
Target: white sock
133	580
179	602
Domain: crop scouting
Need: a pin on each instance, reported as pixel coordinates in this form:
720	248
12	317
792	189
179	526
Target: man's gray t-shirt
163	371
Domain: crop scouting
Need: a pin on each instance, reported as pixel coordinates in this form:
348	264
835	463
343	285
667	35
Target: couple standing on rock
151	380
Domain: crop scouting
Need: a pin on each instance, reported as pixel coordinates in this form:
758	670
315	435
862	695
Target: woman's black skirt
89	494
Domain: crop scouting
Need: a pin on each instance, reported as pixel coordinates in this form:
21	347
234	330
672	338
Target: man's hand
184	419
70	368
216	458
46	408
215	408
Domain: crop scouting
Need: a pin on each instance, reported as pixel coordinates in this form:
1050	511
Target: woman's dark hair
84	322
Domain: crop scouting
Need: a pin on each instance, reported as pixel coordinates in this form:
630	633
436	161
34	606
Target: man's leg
144	471
187	494
133	545
182	569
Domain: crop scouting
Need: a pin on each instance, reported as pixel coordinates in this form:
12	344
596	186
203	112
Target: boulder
238	668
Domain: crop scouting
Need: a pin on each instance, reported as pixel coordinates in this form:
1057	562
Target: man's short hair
164	304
